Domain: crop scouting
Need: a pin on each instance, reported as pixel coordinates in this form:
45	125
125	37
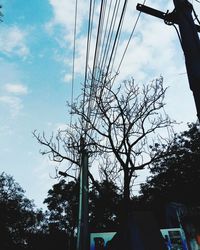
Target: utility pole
182	15
83	233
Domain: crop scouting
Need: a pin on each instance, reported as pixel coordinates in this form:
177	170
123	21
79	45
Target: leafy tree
104	207
175	175
18	216
62	202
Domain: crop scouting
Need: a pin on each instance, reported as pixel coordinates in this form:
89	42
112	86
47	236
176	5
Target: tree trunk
126	191
125	206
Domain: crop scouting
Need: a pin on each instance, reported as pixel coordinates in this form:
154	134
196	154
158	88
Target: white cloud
67	77
16	88
13	103
6	130
64	14
141	51
154	49
13	41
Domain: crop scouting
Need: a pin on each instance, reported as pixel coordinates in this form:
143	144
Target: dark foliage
105	207
62	202
19	219
176	175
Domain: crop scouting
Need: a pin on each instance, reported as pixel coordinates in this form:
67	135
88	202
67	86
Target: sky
36	46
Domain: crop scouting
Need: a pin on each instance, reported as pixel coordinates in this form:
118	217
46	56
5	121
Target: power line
110	35
129	40
98	40
110	31
116	37
96	54
117	43
73	63
90	24
104	38
106	54
106	47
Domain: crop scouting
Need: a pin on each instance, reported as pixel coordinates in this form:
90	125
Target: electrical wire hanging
129	40
89	34
195	14
104	42
107	43
115	44
116	37
73	60
110	35
115	41
96	54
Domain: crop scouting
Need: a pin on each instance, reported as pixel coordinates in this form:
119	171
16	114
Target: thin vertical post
83	236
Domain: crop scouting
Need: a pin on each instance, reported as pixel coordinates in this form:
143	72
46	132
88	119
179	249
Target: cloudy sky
36	44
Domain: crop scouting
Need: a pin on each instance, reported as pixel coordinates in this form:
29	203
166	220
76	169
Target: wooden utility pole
83	234
182	15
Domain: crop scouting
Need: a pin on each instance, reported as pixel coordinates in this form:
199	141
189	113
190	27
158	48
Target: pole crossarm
166	16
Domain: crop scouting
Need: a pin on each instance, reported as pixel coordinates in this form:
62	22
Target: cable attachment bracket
170	17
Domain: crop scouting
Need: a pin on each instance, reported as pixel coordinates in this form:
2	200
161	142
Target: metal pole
83	236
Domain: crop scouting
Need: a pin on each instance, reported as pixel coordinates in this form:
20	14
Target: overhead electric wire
117	43
73	60
89	34
116	39
113	27
129	40
195	14
107	43
116	36
104	38
100	47
96	54
97	71
98	40
110	34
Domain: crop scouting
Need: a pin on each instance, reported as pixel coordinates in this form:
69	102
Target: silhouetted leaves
176	175
62	202
19	219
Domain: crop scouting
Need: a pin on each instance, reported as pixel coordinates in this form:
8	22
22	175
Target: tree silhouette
19	219
176	175
117	123
62	202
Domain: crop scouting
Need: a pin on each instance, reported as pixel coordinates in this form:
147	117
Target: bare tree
117	125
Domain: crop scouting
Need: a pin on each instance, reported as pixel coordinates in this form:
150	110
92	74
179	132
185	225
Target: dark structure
140	232
182	15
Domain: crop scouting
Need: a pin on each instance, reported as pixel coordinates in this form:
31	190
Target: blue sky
36	41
